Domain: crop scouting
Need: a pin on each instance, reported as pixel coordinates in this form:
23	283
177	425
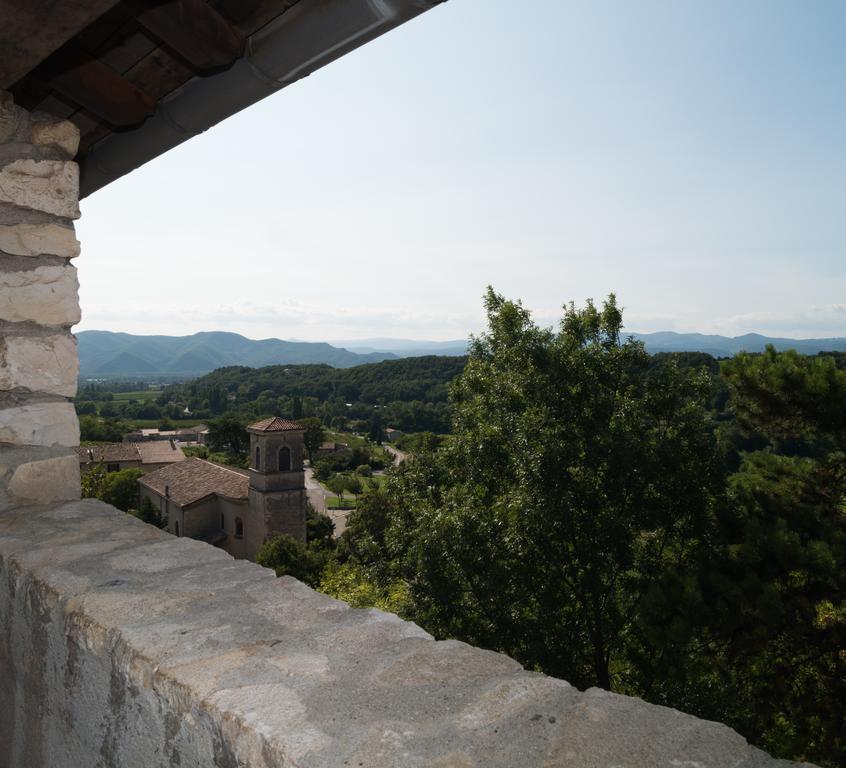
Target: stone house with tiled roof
235	509
117	456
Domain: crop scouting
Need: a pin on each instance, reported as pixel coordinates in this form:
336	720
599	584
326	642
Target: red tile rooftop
275	424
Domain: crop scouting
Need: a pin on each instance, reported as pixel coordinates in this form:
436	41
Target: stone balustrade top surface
169	652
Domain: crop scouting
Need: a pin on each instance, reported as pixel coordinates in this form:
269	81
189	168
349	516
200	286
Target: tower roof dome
275	424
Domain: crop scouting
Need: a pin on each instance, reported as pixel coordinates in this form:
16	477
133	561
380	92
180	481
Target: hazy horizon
690	158
364	339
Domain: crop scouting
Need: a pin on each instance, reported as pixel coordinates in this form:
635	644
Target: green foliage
419	442
348	459
575	471
349	582
120	489
306	562
148	513
313	436
96	429
764	612
289	557
198	451
228	434
410	394
787	398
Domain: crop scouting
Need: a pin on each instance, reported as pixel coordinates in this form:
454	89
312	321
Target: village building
188	435
328	448
392	435
114	457
236	509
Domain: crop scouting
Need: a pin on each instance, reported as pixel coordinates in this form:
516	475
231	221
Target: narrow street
317	496
398	455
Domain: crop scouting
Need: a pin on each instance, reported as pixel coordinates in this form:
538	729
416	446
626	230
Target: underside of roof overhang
139	77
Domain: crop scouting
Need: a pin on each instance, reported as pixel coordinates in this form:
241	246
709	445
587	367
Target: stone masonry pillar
39	191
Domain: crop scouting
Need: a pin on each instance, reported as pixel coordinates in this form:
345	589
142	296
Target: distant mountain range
663	341
110	355
726	346
404	347
106	354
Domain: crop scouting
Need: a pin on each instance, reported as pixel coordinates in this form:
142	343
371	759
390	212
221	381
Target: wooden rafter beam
193	30
91	84
30	30
237	10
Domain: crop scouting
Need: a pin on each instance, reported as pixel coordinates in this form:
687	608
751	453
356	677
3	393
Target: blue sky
689	156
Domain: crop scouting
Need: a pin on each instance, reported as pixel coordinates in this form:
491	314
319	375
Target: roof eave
305	38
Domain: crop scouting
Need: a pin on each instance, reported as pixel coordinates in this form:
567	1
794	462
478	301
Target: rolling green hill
109	355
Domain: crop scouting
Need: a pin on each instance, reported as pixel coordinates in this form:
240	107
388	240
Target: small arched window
284	459
258	458
239	528
176	527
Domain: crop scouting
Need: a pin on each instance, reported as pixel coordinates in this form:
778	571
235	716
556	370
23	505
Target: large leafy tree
575	474
313	436
120	489
766	611
229	433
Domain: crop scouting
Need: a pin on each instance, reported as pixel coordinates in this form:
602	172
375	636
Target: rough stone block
45	295
47	131
39	363
45	481
14	121
38	239
48	424
51	186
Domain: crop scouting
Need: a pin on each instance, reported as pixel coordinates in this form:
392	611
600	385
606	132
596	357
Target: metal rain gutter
304	38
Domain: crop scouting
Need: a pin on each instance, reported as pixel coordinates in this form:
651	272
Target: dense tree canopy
574	473
654	525
764	617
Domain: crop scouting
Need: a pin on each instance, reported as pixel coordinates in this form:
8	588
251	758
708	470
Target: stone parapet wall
123	646
39	189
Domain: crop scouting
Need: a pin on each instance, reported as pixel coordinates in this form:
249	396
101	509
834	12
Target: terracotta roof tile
275	424
107	452
159	452
194	479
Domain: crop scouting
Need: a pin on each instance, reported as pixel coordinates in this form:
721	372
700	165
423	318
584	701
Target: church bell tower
277	481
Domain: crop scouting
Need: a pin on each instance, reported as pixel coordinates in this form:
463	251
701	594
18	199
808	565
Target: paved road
399	456
317	496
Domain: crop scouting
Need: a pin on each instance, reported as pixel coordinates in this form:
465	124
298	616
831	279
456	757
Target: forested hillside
409	394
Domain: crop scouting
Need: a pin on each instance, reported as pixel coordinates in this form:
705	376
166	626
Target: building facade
235	509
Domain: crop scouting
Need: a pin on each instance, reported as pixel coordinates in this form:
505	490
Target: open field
147	394
332	501
153	423
357	441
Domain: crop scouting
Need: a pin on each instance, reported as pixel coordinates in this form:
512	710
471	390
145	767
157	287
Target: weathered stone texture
39	363
14	121
51	186
36	239
39	188
47	131
44	481
40	424
125	646
46	295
